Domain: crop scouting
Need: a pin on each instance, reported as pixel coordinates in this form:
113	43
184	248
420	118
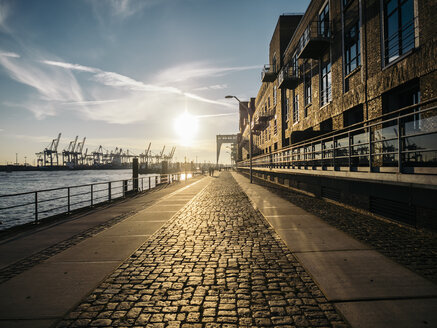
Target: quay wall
406	203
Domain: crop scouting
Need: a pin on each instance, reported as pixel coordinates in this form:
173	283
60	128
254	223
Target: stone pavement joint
217	263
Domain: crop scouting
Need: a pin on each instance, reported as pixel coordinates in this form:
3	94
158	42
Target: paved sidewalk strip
217	263
29	248
368	288
43	294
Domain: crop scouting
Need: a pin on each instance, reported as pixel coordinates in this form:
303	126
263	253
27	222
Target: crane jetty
73	157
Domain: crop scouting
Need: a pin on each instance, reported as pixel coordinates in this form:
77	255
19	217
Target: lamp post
250	133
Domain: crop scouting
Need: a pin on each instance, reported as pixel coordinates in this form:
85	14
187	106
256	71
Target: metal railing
404	141
268	73
316	30
290	74
35	205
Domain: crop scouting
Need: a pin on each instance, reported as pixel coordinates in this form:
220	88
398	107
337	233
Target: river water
55	202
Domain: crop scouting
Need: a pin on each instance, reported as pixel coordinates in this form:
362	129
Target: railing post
125	186
36	206
333	153
349	148
68	191
92	195
142	184
399	146
109	191
150	186
370	148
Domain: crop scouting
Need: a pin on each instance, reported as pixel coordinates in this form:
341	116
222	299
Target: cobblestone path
217	263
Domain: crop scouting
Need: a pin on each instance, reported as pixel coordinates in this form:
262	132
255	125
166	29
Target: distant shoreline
14	168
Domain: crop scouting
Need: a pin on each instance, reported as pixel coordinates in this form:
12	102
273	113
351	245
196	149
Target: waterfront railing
26	207
401	142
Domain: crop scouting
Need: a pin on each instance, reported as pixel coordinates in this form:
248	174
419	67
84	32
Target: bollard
68	191
135	174
36	206
124	188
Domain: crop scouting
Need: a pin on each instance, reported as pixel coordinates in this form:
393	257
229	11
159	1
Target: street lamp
250	133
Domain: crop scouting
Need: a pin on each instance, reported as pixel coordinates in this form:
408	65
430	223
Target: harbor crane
77	153
49	153
68	154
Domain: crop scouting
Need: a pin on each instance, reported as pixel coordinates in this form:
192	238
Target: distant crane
77	153
170	155
68	154
49	153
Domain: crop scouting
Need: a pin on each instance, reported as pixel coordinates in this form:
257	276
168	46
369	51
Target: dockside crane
98	156
170	155
68	154
49	153
144	158
78	152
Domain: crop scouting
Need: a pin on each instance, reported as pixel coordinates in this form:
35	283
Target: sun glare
186	126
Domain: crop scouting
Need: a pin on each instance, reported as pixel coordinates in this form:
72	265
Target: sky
124	73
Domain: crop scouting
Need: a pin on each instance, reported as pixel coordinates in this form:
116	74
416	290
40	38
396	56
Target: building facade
341	64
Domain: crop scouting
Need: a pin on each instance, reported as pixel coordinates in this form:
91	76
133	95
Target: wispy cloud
75	67
116	11
198	70
126	8
4	13
212	87
111	97
121	81
216	115
9	54
52	84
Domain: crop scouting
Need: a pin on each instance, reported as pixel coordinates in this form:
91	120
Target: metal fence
404	141
35	205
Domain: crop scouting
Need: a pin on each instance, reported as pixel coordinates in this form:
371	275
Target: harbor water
57	201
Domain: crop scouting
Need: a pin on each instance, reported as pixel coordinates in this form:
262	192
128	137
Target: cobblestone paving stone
414	249
20	266
216	263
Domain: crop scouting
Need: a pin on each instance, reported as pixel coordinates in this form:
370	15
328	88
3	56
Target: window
274	95
268	102
307	84
353	116
325	82
399	29
295	65
324	21
295	108
287	109
352	48
274	63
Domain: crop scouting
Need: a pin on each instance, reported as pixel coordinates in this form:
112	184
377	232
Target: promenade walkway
235	255
47	271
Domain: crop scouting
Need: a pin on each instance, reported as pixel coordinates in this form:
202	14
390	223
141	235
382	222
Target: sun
186	127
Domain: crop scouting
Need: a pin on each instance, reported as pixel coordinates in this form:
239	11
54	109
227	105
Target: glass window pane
391	5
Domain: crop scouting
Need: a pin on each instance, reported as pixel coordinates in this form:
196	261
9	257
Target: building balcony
261	120
315	40
268	74
288	77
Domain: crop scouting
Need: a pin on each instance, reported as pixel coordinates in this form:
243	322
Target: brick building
342	63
